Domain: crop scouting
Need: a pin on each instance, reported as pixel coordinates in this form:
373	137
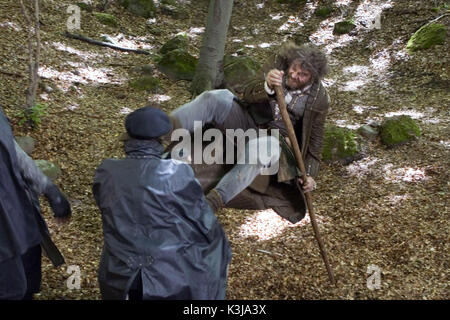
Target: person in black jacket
22	228
161	237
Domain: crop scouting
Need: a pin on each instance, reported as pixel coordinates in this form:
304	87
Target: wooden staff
299	158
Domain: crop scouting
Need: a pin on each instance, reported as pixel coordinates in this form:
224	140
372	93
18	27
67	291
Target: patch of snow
411	113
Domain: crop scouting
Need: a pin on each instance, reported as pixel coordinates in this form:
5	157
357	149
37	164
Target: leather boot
214	199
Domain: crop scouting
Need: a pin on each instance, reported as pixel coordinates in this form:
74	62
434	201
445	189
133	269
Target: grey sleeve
30	172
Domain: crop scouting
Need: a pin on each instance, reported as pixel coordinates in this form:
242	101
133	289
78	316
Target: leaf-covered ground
389	210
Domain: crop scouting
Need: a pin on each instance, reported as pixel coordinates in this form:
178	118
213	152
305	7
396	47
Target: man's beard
295	85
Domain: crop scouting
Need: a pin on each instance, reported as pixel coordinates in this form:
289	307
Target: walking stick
298	156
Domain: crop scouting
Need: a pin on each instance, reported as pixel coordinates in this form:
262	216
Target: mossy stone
106	19
323	12
178	42
427	36
174	11
85	6
51	170
398	130
238	71
178	64
147	83
26	143
292	1
143	8
368	132
340	144
343	27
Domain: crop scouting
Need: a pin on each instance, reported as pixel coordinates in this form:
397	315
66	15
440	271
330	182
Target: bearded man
299	71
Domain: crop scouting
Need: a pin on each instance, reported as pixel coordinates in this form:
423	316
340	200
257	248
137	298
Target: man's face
297	78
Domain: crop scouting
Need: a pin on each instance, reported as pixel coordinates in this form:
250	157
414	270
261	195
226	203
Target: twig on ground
103	44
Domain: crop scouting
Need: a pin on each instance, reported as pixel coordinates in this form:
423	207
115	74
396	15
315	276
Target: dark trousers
136	292
20	277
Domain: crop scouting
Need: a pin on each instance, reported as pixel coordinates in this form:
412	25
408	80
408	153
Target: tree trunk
33	64
209	71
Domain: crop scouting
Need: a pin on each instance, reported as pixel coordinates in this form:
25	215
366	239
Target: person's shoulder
322	99
178	167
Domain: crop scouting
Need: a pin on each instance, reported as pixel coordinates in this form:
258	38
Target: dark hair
310	58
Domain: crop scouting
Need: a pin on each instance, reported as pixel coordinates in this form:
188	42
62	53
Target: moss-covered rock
398	130
106	19
427	36
174	11
85	6
341	144
26	143
147	83
292	1
238	71
178	64
368	132
323	12
143	8
51	170
178	42
343	27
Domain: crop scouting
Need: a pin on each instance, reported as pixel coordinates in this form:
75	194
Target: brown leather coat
309	130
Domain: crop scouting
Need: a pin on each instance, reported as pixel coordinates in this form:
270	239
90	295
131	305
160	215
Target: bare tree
209	71
33	67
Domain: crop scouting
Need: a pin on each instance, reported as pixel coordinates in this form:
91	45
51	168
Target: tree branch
103	44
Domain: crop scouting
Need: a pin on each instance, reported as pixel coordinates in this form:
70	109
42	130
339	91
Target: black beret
147	123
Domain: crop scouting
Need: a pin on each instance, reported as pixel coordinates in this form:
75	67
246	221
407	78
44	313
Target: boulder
147	83
238	71
341	145
51	170
145	70
85	5
174	11
323	12
427	36
178	42
398	130
107	19
368	132
178	65
26	143
343	27
143	8
292	1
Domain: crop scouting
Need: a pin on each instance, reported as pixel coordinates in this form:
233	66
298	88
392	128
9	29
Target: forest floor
386	212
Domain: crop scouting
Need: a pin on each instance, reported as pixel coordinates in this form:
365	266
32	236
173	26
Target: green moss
427	36
339	143
178	64
106	19
178	42
51	170
147	83
397	130
143	8
292	1
85	6
238	70
343	27
323	12
169	2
